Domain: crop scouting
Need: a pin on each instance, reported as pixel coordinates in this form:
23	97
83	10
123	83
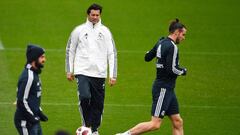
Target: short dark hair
174	25
94	6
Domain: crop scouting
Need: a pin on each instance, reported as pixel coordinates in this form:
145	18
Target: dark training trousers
91	93
26	128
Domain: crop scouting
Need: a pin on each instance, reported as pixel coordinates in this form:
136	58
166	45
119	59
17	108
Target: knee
155	125
84	101
84	96
178	123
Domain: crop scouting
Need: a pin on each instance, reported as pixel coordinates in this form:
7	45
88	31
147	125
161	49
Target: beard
177	41
39	67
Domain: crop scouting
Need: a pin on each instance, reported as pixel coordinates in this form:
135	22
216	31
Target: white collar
28	66
90	24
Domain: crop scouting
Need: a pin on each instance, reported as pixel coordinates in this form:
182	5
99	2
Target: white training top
90	49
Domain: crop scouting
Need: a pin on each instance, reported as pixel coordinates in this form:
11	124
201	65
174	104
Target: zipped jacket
91	50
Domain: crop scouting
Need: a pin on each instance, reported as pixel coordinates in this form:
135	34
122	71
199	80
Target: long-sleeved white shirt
90	49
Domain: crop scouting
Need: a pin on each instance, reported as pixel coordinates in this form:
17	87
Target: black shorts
164	100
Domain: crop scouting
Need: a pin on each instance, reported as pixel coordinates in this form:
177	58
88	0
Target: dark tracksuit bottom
26	128
91	93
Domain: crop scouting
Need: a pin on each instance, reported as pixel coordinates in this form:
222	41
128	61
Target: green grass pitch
208	95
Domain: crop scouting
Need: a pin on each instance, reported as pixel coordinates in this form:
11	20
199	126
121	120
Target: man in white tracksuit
89	52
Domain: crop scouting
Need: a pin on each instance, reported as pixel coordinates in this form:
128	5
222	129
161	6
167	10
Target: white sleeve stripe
67	55
174	69
159	51
27	90
115	59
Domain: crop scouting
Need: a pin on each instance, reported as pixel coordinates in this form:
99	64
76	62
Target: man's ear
176	32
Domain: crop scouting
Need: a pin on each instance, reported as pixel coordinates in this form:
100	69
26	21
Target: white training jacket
90	49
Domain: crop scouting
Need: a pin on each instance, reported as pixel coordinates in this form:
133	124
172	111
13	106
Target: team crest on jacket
100	36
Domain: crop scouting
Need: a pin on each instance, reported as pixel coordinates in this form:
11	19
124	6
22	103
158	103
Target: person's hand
184	71
112	81
33	120
43	117
70	76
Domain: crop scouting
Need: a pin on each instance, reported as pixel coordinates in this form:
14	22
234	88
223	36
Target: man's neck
93	24
33	64
172	37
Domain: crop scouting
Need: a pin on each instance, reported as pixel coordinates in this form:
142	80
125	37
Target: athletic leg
35	129
177	123
84	96
161	100
22	127
173	113
97	101
143	127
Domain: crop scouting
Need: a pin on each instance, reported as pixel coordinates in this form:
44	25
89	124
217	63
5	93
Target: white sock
127	133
